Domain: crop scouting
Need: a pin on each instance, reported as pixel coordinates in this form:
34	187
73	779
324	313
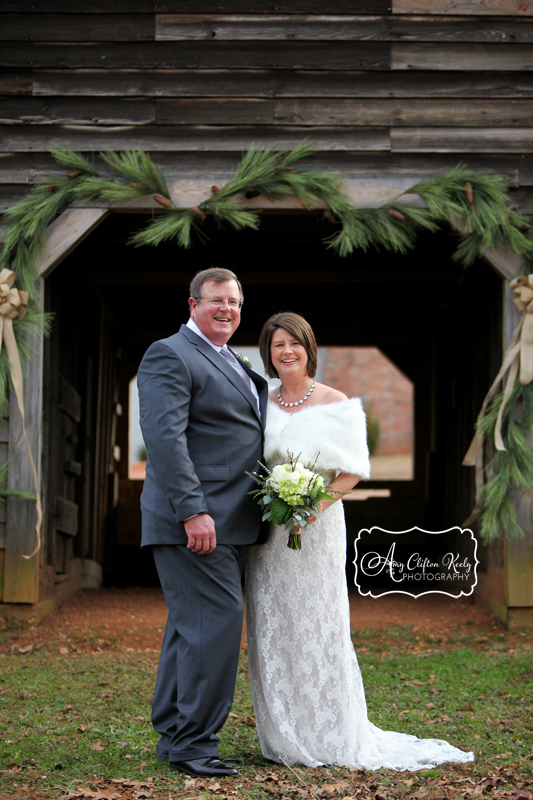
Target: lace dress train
305	680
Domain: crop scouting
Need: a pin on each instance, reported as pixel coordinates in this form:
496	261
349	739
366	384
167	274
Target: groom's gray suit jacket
202	430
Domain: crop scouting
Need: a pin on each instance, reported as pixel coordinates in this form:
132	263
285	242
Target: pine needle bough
475	202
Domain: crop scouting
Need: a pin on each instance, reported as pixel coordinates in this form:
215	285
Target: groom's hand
201	534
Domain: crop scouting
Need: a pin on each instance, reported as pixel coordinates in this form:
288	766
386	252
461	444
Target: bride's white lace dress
305	680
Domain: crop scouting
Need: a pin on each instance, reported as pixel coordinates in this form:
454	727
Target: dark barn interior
438	322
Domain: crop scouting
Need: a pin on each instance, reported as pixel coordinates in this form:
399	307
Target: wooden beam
65	233
16	83
200	55
20	585
464	56
362	112
70	27
298	27
468	7
462	140
74	111
199	6
91	138
277	83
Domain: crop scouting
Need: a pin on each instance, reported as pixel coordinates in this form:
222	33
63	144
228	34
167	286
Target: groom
202	417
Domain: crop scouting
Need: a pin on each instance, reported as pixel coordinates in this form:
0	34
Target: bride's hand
323	505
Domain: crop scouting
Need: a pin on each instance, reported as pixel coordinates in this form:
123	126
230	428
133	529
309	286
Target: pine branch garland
478	200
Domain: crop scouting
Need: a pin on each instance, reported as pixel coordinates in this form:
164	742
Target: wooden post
21	574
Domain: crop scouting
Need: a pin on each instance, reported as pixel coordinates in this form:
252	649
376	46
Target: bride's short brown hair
298	327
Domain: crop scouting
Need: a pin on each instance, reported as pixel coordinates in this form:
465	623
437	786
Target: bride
305	680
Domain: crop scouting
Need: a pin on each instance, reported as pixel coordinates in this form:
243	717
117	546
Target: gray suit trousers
200	653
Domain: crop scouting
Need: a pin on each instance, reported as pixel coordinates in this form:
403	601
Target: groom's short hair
216	274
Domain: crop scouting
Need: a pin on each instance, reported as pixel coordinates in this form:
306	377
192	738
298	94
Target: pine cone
469	193
163	201
198	212
396	214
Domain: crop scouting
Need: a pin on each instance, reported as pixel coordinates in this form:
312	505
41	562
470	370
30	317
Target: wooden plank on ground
90	138
468	7
200	55
294	27
343	111
20	584
462	140
65	233
77	27
83	111
280	83
467	56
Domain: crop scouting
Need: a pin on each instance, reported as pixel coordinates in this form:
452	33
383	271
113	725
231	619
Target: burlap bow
519	354
13	306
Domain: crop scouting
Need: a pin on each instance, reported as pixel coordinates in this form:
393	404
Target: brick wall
383	388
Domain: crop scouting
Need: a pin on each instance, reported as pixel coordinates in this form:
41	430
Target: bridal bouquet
289	495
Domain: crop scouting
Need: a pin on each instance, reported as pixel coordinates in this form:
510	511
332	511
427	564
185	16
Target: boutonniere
244	360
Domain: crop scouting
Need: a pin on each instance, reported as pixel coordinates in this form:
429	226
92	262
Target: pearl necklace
298	402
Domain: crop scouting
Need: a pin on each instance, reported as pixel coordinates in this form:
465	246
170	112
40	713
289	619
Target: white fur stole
337	432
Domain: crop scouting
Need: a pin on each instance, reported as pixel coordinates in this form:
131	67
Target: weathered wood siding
399	89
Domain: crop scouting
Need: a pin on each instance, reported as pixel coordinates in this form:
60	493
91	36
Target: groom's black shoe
210	767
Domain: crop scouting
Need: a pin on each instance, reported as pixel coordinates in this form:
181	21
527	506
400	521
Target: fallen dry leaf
97	746
64	651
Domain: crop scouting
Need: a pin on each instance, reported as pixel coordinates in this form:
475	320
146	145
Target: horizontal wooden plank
19	83
460	140
20	138
219	167
219	55
467	56
325	111
11	193
83	111
522	199
477	7
78	7
14	167
77	28
272	6
280	83
198	27
200	6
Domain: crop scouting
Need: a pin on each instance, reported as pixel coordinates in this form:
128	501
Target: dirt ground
134	619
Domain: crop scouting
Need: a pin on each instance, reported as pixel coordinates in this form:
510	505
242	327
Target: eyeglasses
220	301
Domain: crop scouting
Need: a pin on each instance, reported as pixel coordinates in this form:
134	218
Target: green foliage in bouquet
290	494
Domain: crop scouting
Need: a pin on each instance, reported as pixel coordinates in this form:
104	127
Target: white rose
278	473
295	477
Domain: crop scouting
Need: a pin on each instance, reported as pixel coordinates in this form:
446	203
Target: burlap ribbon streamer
13	304
519	355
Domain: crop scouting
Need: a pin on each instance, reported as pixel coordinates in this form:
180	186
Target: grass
81	723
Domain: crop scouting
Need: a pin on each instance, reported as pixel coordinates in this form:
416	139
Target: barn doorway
438	323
